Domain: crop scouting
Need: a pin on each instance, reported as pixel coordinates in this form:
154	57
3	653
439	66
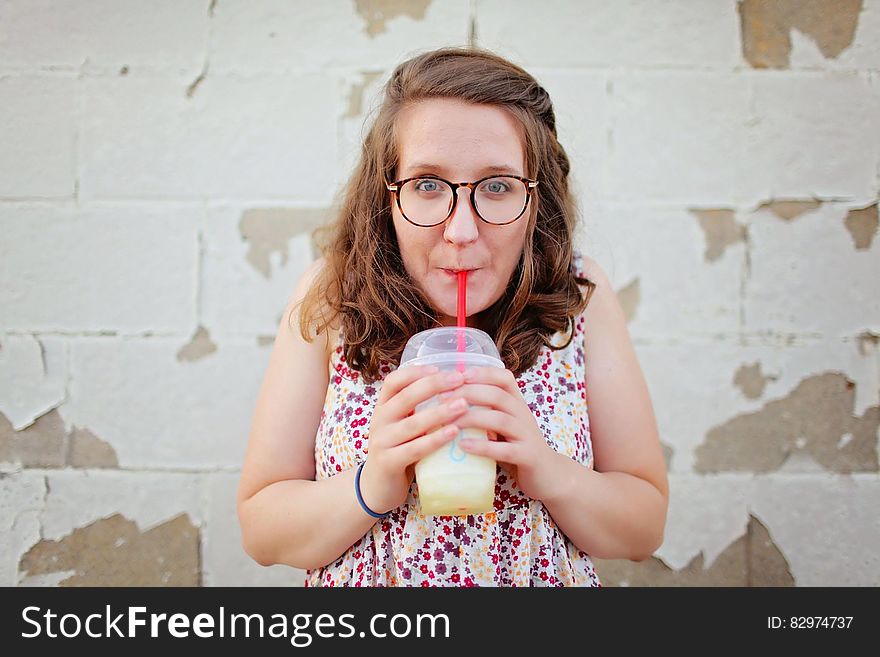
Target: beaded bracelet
357	490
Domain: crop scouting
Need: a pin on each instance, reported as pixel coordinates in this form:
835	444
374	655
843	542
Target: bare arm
286	517
619	509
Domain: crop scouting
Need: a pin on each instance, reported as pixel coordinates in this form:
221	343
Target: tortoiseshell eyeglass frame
397	185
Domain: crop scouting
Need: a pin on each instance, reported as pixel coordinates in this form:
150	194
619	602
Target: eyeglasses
430	200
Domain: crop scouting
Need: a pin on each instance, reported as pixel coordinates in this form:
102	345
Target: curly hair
363	287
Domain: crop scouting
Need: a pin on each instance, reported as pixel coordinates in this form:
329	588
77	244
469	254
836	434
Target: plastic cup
451	481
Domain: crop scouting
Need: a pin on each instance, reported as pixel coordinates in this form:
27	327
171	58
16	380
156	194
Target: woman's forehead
453	136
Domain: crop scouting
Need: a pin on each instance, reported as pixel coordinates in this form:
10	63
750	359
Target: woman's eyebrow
492	168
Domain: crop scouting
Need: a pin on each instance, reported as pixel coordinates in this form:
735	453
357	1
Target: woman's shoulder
585	267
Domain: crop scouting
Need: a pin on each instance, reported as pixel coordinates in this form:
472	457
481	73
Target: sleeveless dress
518	544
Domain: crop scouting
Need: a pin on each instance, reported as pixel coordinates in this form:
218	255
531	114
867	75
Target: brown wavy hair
363	287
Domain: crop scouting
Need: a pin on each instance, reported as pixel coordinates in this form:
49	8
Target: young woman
460	170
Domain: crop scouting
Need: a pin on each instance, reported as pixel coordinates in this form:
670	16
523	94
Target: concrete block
732	394
636	33
126	268
810	35
680	137
814	135
226	137
800	265
662	265
225	561
826	526
103	35
158	410
252	259
116	529
279	36
39	134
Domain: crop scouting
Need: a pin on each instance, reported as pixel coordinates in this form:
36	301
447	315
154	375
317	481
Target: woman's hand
399	438
518	440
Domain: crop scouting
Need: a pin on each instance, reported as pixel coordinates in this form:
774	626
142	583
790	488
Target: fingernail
458	404
455	377
466	443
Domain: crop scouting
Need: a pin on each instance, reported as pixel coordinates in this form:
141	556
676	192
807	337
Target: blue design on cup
455	450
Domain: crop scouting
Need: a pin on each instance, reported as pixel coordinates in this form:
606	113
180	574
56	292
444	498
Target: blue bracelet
357	490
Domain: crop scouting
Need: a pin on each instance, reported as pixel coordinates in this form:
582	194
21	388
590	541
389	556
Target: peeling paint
629	298
753	559
862	226
199	347
33	373
46	444
812	418
269	230
265	340
720	229
89	451
114	552
41	445
378	12
766	28
789	210
750	381
356	94
868	342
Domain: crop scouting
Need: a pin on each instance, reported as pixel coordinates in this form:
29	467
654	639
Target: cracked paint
113	551
46	444
789	210
199	347
750	381
89	451
766	28
629	298
268	230
753	559
356	94
43	444
862	226
378	12
720	229
32	378
811	420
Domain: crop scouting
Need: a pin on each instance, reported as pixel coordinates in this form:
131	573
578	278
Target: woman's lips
454	274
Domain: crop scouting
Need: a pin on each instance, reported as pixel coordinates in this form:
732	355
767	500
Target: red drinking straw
462	314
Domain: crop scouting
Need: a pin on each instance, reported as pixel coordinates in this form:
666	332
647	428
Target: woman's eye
496	187
426	186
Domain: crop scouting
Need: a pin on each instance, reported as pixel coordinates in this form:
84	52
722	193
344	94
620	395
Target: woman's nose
463	225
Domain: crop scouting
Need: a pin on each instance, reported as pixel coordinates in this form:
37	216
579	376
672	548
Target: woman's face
459	142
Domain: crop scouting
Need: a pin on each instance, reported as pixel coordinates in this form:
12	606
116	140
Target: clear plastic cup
451	481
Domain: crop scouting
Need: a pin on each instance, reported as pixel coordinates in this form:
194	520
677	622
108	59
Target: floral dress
518	544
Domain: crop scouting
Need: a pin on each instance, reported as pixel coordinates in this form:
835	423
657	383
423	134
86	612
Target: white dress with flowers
518	544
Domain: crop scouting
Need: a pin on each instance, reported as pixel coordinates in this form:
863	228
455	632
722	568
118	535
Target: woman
569	485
